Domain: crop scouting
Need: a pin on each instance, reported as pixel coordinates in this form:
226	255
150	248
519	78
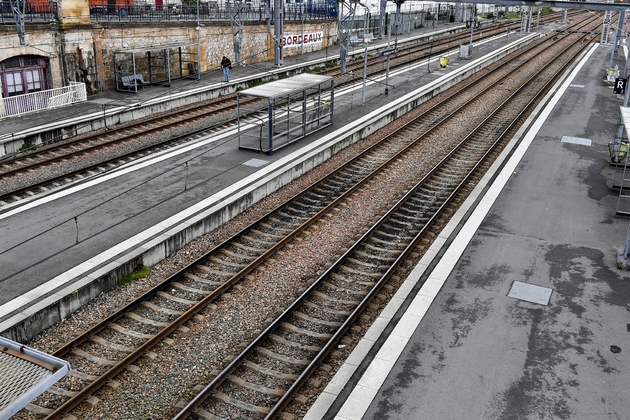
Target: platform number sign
620	86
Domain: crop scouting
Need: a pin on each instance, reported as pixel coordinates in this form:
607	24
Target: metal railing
150	13
34	12
14	106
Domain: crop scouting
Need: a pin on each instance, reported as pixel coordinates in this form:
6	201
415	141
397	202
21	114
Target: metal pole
278	30
364	75
198	44
387	71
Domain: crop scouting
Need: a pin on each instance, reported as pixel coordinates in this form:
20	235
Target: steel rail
98	167
187	315
281	404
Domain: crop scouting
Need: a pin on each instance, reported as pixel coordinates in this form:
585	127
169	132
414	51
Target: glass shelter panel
136	68
287	110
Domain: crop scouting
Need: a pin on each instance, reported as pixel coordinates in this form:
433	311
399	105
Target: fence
249	12
34	11
46	99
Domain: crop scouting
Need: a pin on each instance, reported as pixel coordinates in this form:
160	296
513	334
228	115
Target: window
23	74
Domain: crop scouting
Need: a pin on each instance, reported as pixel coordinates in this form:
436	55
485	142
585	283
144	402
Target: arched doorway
24	74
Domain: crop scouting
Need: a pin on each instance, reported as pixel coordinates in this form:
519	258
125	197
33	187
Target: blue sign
389	52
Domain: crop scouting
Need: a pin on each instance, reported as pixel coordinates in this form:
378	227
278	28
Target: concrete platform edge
51	307
360	399
121	114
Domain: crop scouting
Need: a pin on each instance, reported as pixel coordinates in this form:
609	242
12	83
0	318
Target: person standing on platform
227	65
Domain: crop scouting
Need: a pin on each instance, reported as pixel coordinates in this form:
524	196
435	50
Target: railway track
269	373
100	354
74	160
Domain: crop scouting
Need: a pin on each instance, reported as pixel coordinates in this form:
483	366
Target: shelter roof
287	86
156	48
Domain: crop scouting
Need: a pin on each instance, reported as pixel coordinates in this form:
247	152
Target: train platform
63	248
519	310
62	121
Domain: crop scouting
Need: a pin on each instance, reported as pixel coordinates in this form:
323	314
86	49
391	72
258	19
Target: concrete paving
460	346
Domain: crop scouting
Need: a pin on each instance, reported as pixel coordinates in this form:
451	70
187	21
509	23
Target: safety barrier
14	106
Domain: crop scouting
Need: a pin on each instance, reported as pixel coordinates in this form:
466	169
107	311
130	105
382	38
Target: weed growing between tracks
138	273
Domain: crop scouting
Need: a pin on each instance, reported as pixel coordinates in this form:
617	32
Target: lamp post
198	43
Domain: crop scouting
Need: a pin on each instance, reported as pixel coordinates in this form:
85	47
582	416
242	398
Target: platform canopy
296	106
288	86
158	64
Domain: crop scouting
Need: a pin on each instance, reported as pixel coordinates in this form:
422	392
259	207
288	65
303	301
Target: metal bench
133	82
368	37
354	40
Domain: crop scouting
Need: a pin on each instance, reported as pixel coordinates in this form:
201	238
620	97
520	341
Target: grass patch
27	146
136	274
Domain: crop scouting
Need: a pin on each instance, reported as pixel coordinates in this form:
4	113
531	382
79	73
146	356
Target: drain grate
530	293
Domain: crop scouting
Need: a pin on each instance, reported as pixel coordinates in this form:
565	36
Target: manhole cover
530	293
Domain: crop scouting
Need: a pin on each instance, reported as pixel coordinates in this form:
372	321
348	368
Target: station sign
305	39
390	51
619	88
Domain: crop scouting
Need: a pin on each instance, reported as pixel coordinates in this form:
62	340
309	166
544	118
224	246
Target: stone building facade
73	48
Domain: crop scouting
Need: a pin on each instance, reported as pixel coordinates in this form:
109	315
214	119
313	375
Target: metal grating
18	377
530	293
26	373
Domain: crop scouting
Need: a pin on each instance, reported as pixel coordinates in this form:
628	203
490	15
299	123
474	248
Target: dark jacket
226	63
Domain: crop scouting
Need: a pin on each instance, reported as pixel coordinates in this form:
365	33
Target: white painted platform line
363	394
204	207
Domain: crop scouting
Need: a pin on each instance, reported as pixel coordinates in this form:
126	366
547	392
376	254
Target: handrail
15	106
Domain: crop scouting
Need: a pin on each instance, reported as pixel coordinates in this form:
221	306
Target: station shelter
158	65
295	107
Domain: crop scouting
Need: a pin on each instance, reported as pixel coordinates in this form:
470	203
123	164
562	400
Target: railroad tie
59	391
38	410
92	358
310	318
147	321
281	357
240	404
83	376
247	248
156	308
190	289
290	327
236	255
131	333
198	279
293	344
217	260
210	270
109	344
326	309
346	279
255	387
270	372
175	298
332	299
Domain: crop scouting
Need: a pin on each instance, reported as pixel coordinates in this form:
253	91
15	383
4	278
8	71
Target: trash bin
444	61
